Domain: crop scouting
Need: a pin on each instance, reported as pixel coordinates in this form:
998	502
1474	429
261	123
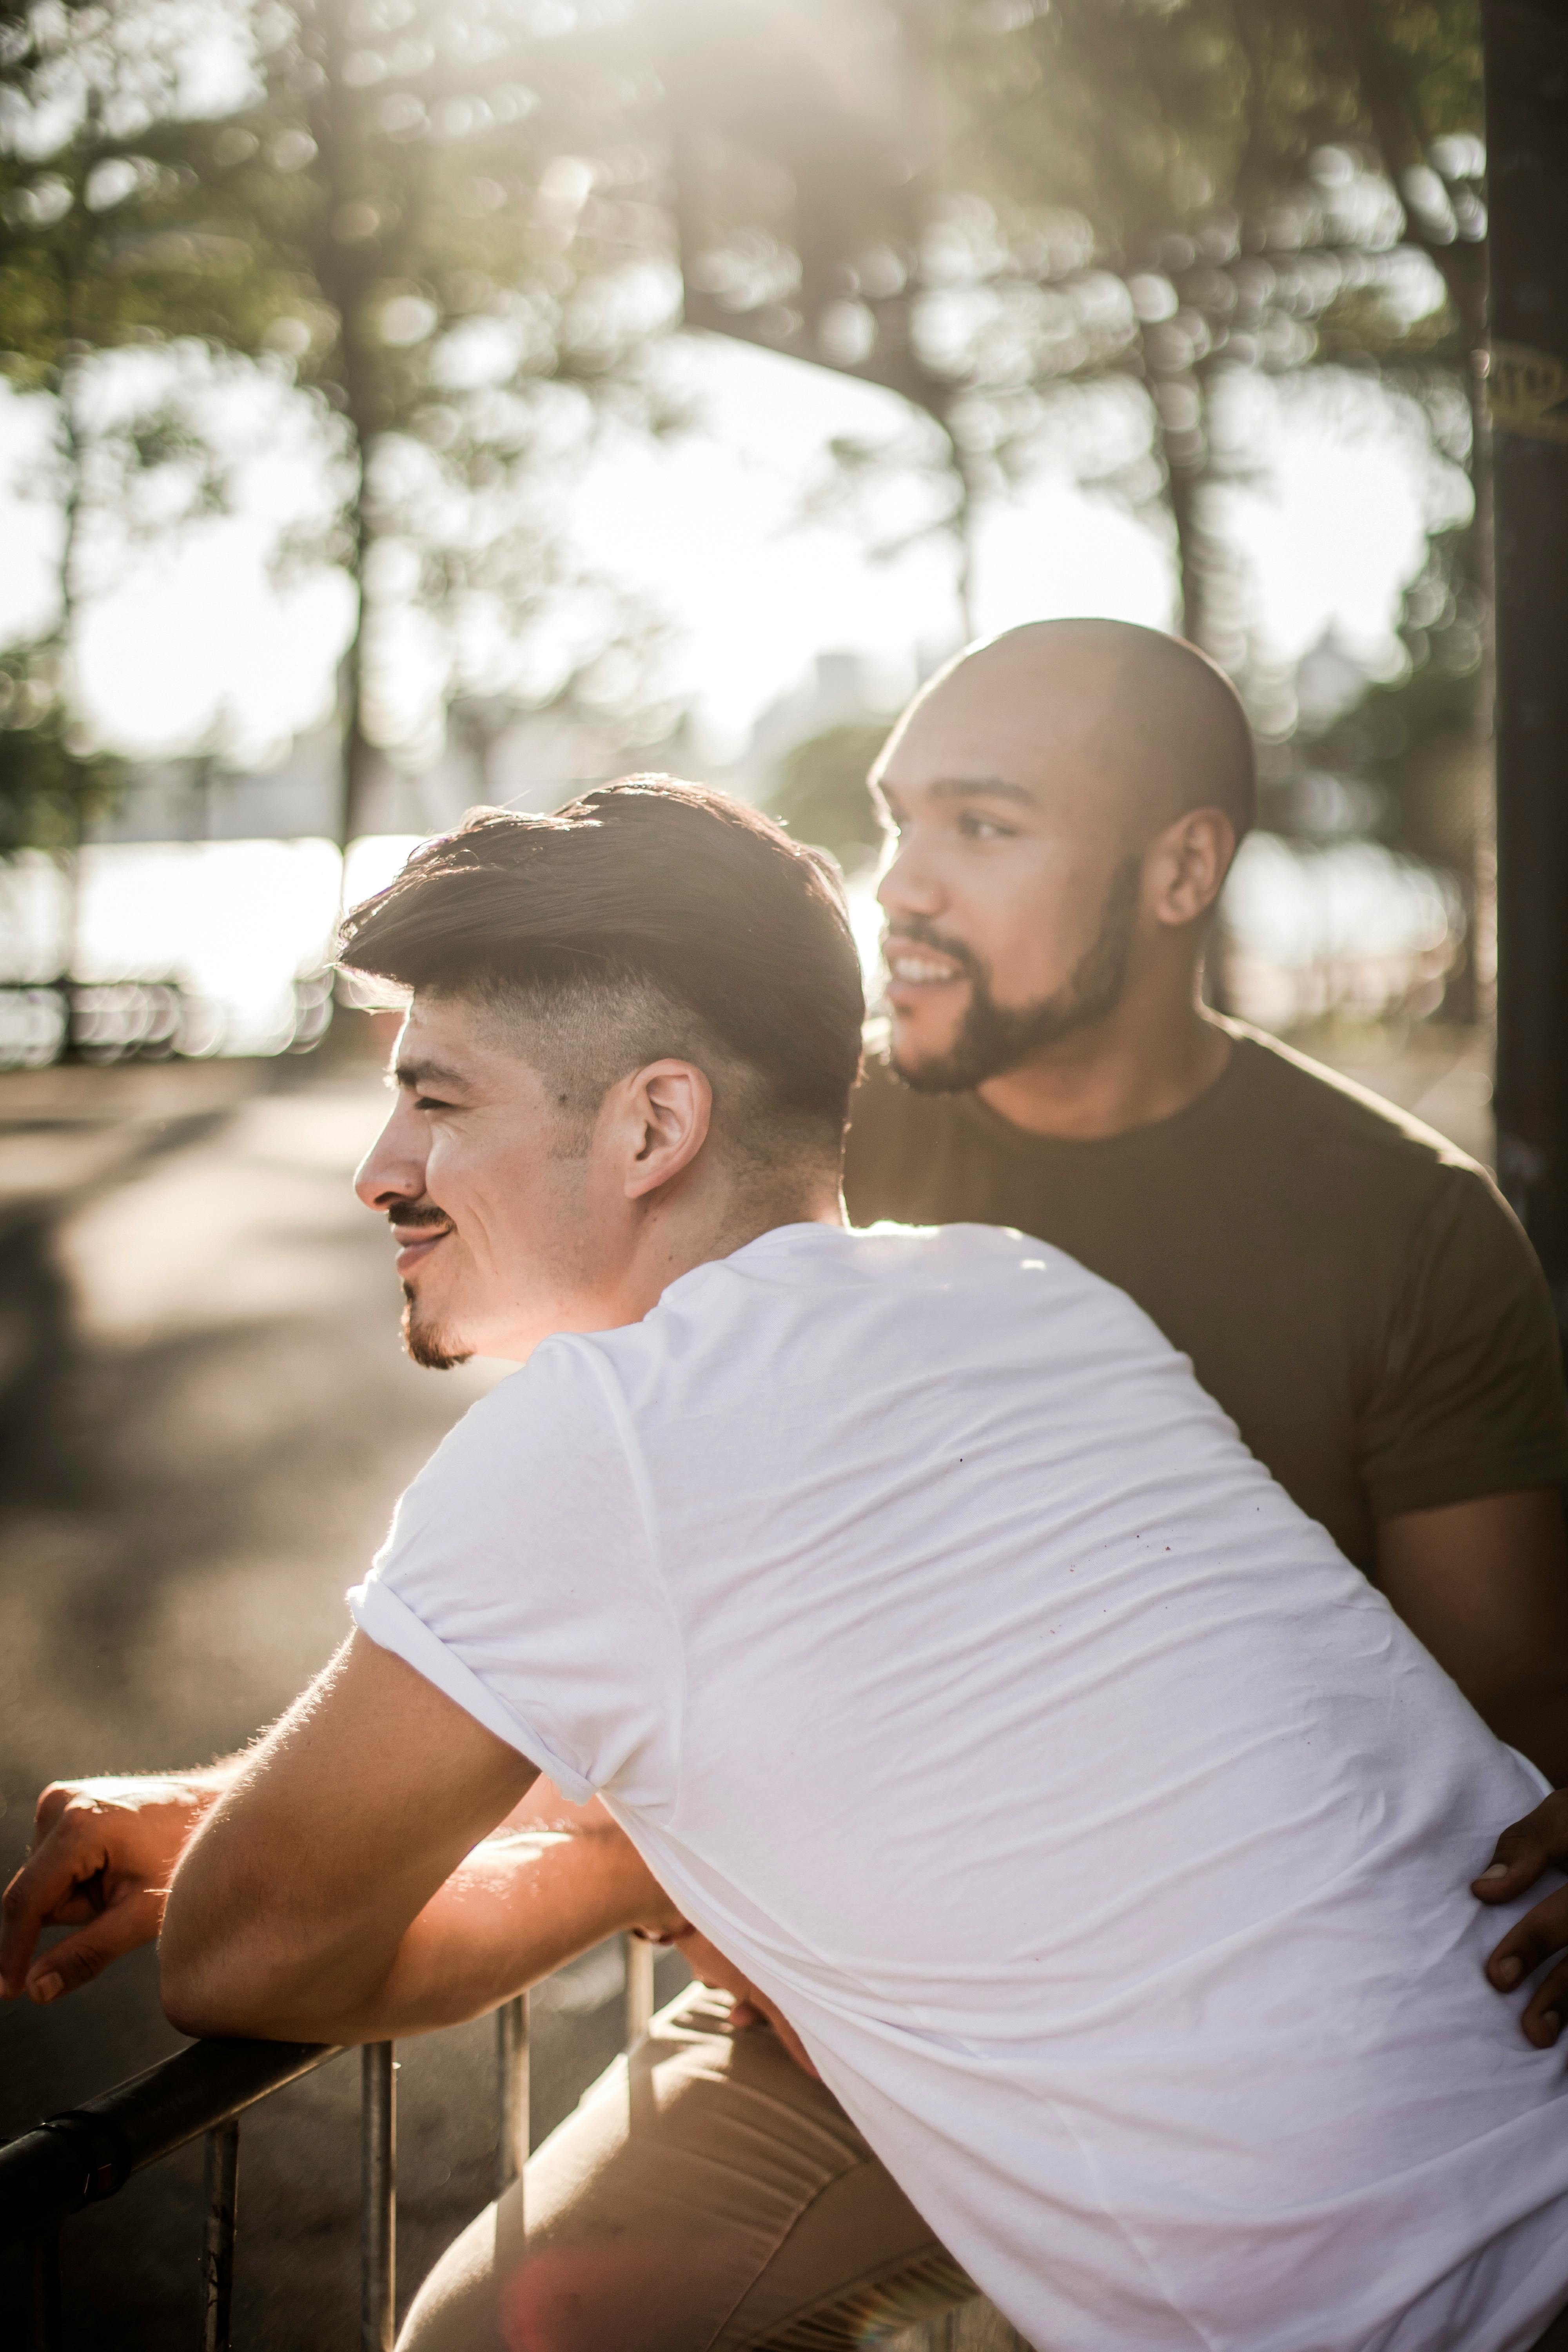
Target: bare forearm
518	1906
291	1902
518	1909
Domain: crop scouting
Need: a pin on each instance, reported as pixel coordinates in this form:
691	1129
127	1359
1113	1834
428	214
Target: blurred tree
1272	183
1118	218
1400	758
1069	227
821	793
1079	231
453	226
437	221
97	253
1060	227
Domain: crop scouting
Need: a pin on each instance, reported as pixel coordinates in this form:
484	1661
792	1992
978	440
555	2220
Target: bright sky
710	523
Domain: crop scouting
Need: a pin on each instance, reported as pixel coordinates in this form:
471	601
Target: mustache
412	1219
918	930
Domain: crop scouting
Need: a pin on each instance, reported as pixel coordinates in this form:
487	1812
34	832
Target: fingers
1530	1942
1546	2009
70	1855
77	1959
1525	1849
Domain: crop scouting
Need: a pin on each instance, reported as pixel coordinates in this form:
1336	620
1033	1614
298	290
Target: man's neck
1145	1063
697	1231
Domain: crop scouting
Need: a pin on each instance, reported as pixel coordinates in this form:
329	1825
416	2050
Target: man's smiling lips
915	971
414	1242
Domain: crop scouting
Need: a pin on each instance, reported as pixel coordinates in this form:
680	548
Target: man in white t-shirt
931	1635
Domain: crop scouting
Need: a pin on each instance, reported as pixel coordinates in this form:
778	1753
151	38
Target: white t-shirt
1104	1833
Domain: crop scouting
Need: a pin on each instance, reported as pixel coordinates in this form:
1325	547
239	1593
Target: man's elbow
204	1994
191	2007
214	1980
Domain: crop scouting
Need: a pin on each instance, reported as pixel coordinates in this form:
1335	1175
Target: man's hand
103	1853
710	1966
1525	1849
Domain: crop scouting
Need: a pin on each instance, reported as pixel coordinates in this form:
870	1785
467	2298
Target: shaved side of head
1162	721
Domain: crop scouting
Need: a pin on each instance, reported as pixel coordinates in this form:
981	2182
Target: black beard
994	1038
423	1343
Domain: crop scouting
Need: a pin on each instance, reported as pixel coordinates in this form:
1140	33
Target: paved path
209	1418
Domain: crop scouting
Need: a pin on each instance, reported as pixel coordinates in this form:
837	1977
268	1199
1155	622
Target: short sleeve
519	1577
1470	1400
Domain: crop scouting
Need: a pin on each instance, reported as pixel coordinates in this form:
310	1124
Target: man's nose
393	1167
911	885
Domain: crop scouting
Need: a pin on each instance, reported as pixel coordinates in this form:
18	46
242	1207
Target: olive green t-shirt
1351	1287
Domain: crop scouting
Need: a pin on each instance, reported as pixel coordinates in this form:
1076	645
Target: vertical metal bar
512	2092
378	2223
46	2253
639	1987
1527	197
217	2242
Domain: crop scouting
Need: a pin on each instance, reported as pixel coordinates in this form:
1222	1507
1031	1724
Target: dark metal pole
218	2238
1526	132
46	2267
378	2227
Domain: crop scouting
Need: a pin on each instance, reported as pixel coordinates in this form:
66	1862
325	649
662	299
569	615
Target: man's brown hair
678	915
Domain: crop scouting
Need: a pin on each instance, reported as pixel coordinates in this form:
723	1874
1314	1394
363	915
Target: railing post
640	1956
217	2242
512	2092
378	2225
46	2253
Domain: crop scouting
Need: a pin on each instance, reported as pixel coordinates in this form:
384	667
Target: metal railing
79	2158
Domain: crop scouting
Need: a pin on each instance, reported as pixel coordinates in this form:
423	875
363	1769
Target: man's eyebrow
416	1074
982	788
960	788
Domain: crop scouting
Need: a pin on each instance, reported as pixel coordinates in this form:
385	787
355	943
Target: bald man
1066	800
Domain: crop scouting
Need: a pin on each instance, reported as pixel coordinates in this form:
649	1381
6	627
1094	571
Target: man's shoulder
526	1423
1299	1110
1273	1103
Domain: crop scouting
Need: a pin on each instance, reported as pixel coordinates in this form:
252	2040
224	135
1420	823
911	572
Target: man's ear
667	1110
1186	865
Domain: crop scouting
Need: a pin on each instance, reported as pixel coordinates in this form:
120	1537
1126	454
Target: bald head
1066	800
1148	716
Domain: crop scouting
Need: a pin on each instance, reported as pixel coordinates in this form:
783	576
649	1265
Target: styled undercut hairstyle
648	918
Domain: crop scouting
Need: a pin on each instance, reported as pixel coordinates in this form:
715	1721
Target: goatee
992	1037
423	1341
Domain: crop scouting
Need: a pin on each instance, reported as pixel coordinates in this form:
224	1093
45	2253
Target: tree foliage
821	793
1066	229
1274	184
406	203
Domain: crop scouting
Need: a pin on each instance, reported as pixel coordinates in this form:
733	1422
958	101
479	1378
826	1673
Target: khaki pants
707	2196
